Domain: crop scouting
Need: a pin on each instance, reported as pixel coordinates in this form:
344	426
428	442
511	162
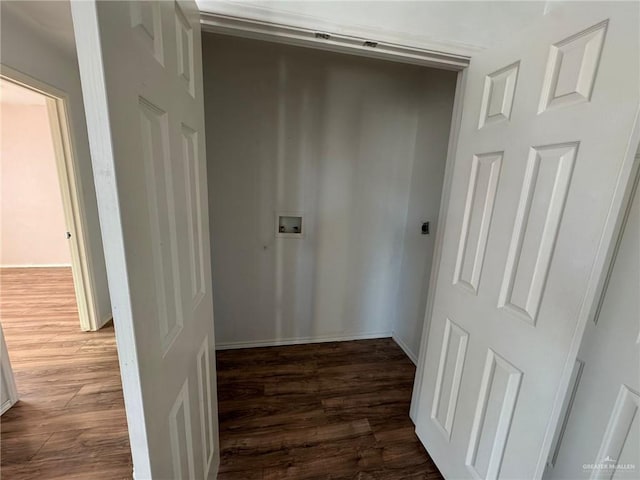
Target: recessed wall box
289	225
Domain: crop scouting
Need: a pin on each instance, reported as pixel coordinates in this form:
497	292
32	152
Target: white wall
335	137
26	49
449	25
31	212
424	202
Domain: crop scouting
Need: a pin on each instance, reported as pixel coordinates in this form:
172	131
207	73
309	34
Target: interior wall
27	49
33	222
424	203
452	25
341	139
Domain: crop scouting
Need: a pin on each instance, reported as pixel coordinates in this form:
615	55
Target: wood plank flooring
70	421
322	411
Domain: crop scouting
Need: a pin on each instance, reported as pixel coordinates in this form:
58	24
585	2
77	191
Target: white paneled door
141	70
599	437
542	168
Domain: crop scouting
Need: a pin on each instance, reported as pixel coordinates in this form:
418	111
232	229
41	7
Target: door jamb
8	378
365	43
70	189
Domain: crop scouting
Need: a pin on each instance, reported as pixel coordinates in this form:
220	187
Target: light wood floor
324	411
70	421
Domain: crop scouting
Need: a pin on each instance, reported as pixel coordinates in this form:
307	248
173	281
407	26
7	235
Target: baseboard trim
301	340
47	265
405	348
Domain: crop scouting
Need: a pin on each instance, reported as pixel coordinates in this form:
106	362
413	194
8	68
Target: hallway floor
69	422
323	411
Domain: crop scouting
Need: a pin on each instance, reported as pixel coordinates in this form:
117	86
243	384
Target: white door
600	435
141	71
8	390
541	170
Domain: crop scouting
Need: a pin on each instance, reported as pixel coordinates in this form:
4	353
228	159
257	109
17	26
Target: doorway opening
41	200
61	378
357	148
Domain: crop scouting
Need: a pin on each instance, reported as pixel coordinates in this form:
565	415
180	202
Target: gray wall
26	47
424	202
355	144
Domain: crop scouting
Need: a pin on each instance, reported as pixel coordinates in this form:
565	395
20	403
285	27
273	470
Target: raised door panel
619	449
481	194
492	421
536	189
158	168
546	183
572	68
499	93
452	356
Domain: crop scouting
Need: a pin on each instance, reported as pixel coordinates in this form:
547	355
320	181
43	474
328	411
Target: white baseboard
46	265
301	340
405	348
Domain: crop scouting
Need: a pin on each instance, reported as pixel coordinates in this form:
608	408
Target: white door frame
8	380
230	19
230	23
70	189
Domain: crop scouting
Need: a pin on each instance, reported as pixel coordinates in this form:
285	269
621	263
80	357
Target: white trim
92	76
456	119
405	348
70	189
434	55
301	340
40	265
7	374
274	14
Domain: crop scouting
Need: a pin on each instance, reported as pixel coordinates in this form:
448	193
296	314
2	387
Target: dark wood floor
70	421
323	411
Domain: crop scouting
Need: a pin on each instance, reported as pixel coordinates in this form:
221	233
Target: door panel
542	155
141	72
599	436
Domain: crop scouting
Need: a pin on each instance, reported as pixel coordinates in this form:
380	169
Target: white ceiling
12	94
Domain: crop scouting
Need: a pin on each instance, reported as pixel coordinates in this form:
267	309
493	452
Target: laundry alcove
357	144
